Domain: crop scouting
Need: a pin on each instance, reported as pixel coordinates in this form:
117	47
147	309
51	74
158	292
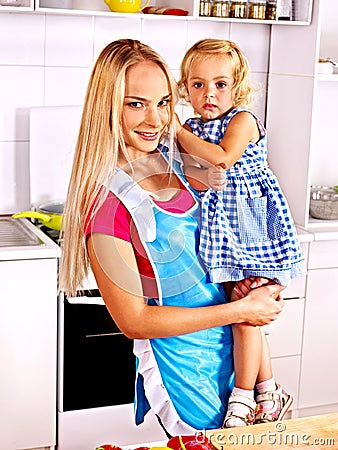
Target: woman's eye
164	103
135	104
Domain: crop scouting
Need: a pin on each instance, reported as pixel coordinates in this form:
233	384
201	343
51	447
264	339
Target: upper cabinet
300	10
302	110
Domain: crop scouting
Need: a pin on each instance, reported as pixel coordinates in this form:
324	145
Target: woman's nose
153	117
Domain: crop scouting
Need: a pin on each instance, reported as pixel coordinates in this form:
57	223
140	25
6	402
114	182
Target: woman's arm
115	269
241	130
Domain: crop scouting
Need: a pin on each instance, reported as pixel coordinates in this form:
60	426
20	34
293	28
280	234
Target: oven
96	364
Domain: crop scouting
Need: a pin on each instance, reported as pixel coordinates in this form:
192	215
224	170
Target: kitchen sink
14	233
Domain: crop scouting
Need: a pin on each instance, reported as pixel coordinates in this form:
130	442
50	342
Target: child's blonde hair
99	143
242	88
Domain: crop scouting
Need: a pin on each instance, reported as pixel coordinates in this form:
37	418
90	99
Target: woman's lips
148	136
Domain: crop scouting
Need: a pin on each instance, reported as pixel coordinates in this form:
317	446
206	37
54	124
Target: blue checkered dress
247	229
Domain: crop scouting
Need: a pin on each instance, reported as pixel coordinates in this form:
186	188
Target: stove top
54	235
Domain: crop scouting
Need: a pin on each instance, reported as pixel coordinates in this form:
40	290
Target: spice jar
238	9
257	9
271	10
205	8
220	8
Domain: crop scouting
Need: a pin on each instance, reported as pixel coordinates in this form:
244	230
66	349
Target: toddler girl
247	231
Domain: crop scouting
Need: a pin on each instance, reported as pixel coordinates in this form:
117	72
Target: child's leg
247	361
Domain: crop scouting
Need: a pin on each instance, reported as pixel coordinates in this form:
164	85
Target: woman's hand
261	305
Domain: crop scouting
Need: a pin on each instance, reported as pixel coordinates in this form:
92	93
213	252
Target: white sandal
281	404
248	417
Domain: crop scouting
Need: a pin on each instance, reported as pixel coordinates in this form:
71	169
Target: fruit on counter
196	442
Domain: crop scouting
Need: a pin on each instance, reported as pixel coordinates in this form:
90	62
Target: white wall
46	59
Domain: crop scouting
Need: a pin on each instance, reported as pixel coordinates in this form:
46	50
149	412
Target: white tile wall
46	59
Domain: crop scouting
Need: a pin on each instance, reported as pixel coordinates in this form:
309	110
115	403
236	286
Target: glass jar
220	8
205	8
271	10
238	9
257	9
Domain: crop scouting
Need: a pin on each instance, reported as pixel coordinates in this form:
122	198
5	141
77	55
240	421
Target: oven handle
84	300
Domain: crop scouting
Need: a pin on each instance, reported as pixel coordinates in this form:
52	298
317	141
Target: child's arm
241	130
202	178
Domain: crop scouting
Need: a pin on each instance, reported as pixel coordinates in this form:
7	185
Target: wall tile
14	177
69	40
169	43
66	85
254	41
22	39
21	87
205	29
108	29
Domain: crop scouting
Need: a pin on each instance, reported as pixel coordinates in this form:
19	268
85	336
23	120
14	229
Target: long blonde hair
99	142
242	89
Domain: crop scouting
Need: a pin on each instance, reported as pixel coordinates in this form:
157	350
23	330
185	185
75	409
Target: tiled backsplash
46	59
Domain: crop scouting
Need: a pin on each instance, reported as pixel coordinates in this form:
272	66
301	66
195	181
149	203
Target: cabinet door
28	343
319	368
285	333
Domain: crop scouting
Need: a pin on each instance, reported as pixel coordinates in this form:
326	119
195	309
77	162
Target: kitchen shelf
26	5
302	11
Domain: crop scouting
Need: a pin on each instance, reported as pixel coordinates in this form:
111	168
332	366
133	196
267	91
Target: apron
186	380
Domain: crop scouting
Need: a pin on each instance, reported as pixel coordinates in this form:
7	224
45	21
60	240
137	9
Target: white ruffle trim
155	391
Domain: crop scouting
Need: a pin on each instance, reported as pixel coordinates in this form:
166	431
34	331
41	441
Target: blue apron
186	380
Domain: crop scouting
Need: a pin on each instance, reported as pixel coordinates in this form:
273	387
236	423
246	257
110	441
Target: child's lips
209	107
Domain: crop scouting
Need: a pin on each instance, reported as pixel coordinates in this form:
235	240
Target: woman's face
210	86
146	108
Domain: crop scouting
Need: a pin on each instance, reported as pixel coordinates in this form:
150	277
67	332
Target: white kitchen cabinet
319	367
28	346
302	10
301	110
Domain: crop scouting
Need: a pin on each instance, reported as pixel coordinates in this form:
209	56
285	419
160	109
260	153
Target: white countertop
47	248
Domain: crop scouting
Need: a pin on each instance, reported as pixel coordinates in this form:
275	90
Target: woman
134	220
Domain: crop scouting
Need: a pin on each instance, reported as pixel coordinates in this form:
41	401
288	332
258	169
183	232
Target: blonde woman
246	227
132	217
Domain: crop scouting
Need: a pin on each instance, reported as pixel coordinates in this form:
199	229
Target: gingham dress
247	229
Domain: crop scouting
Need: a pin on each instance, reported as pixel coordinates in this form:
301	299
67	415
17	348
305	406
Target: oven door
94	354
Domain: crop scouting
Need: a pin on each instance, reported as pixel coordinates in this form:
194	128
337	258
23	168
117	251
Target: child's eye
221	84
198	84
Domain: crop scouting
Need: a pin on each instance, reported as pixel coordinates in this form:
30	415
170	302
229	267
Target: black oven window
99	364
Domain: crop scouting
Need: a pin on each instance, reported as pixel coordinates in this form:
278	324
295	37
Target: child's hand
216	177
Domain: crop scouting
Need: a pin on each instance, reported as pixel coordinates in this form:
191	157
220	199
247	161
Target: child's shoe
279	403
241	411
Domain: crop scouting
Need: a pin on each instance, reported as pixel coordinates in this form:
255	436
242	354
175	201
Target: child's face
146	108
209	85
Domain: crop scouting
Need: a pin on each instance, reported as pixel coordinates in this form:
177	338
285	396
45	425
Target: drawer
285	333
323	254
286	372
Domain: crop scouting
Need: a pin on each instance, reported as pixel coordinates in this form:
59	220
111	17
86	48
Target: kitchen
46	59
